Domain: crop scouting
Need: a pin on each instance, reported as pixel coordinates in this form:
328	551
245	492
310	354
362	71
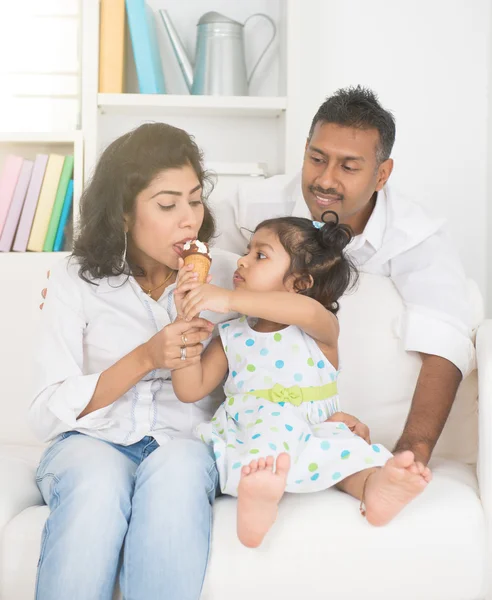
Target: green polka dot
230	401
286	446
249	425
258	421
251	368
254	451
225	348
369	461
277	337
203	439
221	431
242	319
274	429
310	362
313	467
238	358
214	419
231	446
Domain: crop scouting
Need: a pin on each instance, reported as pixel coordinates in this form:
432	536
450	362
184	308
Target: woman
124	470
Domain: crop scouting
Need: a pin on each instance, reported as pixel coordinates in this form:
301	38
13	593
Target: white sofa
320	546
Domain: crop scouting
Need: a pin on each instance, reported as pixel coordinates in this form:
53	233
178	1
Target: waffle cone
201	265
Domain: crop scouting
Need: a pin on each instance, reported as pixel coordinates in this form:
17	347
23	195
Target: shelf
222	106
19	256
50	137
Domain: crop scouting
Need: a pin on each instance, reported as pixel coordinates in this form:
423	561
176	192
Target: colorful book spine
112	47
27	216
8	181
145	47
61	192
18	199
67	205
46	201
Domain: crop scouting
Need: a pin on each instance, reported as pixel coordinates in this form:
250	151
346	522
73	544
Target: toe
245	471
253	465
283	464
403	460
261	464
269	463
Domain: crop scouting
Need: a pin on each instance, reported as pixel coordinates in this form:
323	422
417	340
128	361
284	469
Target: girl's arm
197	381
287	308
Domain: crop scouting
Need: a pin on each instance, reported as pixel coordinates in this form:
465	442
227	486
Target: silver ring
184	339
183	352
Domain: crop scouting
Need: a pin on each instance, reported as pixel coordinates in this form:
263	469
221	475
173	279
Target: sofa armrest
484	365
484	466
18	489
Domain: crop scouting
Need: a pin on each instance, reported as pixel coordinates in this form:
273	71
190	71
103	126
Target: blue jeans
154	502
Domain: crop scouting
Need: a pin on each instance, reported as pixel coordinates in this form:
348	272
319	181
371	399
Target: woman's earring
123	259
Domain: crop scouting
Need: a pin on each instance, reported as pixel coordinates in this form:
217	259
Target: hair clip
318	224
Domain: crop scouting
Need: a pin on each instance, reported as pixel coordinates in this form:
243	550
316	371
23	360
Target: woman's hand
353	424
206	297
164	349
186	281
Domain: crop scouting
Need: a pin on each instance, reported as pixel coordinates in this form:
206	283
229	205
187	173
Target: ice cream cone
201	265
197	253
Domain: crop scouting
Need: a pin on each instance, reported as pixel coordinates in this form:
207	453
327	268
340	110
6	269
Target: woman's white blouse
85	329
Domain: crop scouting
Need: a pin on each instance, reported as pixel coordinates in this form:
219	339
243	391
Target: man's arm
437	324
432	400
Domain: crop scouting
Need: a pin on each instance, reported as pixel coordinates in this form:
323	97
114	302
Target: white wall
428	61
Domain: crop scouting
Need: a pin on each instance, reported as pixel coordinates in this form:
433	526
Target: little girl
281	389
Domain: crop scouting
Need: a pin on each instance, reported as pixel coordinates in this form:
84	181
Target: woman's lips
237	278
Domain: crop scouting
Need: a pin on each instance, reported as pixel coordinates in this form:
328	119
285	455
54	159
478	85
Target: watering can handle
274	27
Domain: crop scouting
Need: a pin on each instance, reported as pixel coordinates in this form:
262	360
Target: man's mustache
328	192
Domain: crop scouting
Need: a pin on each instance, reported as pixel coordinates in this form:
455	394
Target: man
346	168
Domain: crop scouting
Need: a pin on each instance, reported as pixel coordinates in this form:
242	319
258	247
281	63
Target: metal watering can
220	66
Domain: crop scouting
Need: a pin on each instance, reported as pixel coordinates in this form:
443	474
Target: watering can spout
179	50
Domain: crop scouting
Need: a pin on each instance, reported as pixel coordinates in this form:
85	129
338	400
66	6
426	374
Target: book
15	210
67	205
8	181
143	35
29	208
112	47
46	201
61	192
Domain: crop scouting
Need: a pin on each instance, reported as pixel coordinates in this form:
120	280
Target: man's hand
353	424
432	400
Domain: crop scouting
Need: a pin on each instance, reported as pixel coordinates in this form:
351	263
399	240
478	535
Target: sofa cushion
378	376
320	547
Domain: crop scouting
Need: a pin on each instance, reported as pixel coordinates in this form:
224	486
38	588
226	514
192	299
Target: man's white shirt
400	241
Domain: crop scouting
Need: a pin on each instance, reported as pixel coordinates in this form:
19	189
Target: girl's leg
87	485
386	490
167	545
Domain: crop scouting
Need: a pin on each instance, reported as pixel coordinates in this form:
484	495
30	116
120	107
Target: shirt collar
373	231
375	228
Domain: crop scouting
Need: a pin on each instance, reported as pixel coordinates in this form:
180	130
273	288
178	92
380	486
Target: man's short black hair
359	107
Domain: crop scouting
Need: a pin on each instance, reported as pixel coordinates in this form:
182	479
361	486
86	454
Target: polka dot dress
247	426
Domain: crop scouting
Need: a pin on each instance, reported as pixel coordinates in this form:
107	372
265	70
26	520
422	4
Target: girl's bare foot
391	488
259	493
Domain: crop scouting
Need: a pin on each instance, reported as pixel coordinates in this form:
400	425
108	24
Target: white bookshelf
28	145
204	106
264	121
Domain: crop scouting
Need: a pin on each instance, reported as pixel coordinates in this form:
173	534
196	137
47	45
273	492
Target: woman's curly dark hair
126	167
322	269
